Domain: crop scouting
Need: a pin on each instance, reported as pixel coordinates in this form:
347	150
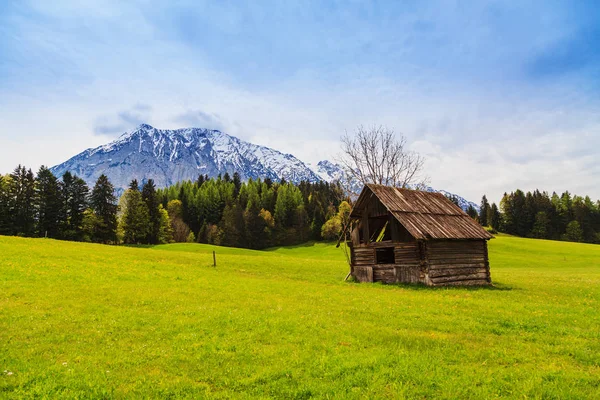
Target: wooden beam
365	227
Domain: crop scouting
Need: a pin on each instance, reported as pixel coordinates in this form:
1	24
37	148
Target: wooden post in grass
214	259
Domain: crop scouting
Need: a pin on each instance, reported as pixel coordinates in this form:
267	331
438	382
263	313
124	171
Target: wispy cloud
124	120
200	119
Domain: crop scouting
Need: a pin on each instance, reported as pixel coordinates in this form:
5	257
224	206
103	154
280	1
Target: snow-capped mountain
171	156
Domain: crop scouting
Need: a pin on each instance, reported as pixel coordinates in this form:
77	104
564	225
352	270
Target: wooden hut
409	236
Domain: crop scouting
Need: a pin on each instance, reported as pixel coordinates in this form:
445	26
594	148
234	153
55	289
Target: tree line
253	214
223	210
540	215
43	206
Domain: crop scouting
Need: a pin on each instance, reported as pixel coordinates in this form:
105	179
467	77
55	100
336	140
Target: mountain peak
144	127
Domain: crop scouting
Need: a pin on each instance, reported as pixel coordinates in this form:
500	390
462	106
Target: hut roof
426	215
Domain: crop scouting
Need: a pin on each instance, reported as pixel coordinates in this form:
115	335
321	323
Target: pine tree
242	197
192	212
232	225
472	212
520	213
48	203
65	185
134	185
201	237
237	183
212	203
185	204
301	225
541	226
103	204
582	210
267	196
154	218
484	210
289	199
573	233
564	210
507	214
75	194
135	220
254	225
515	214
529	213
496	218
5	227
21	203
318	220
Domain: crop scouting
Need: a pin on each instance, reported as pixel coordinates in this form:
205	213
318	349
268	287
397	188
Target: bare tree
377	155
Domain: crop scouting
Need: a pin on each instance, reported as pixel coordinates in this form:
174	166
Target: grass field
92	321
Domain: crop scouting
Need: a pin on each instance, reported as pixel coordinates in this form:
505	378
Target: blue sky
496	94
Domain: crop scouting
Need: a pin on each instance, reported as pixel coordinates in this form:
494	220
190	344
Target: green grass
91	321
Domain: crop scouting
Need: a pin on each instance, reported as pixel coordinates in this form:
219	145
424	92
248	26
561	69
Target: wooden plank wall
408	274
384	273
363	256
363	274
408	262
460	262
407	254
407	267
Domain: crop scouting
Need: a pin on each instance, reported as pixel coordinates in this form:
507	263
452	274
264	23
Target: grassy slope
81	319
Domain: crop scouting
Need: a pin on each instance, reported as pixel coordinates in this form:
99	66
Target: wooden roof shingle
426	215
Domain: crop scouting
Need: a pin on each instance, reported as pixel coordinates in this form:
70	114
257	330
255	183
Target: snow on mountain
171	156
328	171
333	172
462	202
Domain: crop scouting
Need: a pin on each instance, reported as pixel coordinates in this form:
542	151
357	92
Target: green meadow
91	321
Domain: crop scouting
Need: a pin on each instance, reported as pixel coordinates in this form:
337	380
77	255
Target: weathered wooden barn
409	236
